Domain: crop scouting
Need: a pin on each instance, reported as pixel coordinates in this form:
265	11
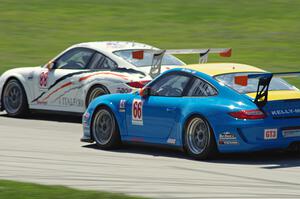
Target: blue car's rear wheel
105	129
199	139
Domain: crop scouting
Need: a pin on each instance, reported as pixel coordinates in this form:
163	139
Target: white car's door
55	89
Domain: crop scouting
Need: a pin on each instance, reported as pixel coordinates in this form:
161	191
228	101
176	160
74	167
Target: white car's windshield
147	59
275	84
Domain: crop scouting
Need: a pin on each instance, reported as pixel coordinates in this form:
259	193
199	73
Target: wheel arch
188	118
93	86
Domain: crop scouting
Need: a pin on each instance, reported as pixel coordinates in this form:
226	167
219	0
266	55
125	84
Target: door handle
171	109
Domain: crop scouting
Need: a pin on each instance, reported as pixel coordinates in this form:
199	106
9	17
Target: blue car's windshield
275	84
147	59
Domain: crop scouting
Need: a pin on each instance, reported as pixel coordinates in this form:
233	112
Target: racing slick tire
105	130
14	99
199	141
94	92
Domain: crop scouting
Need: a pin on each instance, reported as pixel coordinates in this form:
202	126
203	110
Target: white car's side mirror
50	65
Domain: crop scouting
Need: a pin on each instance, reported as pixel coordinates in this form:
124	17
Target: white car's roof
111	46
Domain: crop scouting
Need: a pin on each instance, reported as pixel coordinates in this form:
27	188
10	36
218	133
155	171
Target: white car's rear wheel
105	129
14	99
94	92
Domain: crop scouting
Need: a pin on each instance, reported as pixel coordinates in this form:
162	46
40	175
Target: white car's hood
22	70
25	71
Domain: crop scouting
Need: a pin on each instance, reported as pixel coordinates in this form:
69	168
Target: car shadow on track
145	150
48	117
265	159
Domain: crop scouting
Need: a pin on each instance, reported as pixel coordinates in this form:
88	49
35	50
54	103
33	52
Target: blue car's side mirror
145	92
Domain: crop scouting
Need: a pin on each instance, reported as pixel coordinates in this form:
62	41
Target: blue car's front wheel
105	129
199	139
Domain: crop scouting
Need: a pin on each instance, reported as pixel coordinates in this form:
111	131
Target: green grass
263	33
18	190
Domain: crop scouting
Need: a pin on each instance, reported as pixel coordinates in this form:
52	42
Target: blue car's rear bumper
247	136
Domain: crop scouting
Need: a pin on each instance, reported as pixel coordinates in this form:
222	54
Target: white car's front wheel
14	99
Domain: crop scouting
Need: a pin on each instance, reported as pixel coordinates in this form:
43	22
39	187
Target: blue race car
203	113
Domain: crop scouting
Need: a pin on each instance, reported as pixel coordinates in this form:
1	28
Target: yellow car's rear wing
264	80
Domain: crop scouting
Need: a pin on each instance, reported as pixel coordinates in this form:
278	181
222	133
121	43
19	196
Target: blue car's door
154	116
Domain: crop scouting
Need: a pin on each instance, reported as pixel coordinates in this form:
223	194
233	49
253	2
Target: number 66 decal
137	112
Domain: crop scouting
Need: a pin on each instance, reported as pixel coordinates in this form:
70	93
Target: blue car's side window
171	85
201	88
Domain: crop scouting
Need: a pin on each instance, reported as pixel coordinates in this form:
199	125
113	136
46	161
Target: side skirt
56	112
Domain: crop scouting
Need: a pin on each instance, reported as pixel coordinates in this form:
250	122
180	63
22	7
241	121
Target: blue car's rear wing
263	84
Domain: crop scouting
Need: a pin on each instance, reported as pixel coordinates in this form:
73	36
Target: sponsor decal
43	79
41	103
122	105
228	138
228	142
291	133
124	90
285	112
85	120
227	135
137	112
65	101
30	76
186	70
171	141
58	89
67	91
86	116
270	134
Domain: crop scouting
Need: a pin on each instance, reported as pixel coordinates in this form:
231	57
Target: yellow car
226	73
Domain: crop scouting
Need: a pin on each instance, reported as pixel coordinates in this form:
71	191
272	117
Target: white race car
71	80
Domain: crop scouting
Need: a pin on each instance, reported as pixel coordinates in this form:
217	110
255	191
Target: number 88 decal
137	112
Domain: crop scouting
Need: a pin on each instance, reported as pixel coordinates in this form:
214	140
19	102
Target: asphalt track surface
46	149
